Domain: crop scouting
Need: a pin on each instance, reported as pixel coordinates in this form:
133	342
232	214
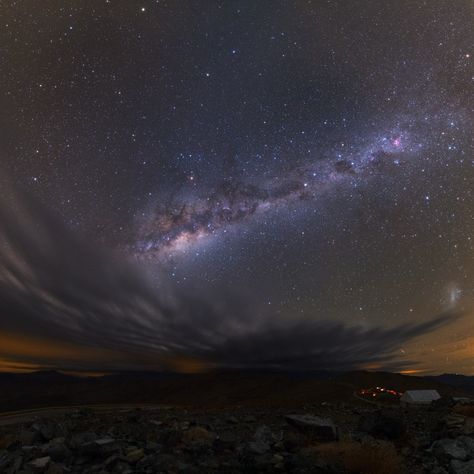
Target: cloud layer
66	303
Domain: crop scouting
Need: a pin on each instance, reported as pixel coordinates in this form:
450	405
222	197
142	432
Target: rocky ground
327	438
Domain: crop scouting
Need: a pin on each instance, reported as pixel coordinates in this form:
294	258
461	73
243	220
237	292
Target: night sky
289	180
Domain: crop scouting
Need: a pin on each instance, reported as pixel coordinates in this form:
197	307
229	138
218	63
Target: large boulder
461	449
322	428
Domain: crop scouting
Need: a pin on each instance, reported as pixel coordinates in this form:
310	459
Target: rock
443	403
40	464
264	433
4	462
110	461
100	446
266	462
226	440
166	462
437	470
468	443
277	458
134	456
79	439
29	449
156	423
262	440
49	429
183	441
279	446
15	467
468	428
184	425
152	446
455	425
258	447
54	469
28	437
323	428
381	425
170	438
57	450
198	435
182	466
122	468
459	467
447	449
292	442
421	440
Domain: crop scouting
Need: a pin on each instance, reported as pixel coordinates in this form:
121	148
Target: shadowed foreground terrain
229	423
210	390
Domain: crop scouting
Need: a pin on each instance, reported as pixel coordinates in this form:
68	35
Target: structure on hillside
419	397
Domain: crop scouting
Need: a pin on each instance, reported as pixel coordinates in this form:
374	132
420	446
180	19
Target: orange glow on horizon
25	353
412	371
189	365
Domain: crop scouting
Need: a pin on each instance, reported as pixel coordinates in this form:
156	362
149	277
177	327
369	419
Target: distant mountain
217	389
464	382
399	382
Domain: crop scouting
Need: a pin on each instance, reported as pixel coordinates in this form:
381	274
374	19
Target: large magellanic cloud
67	303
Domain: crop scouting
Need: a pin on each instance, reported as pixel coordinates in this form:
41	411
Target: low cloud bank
99	312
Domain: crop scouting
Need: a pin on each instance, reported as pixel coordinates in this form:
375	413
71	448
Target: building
419	397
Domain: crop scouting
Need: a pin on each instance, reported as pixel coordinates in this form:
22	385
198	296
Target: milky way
171	230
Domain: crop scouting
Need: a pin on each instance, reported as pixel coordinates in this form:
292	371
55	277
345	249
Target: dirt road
25	416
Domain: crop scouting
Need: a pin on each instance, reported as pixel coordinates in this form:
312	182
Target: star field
316	156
